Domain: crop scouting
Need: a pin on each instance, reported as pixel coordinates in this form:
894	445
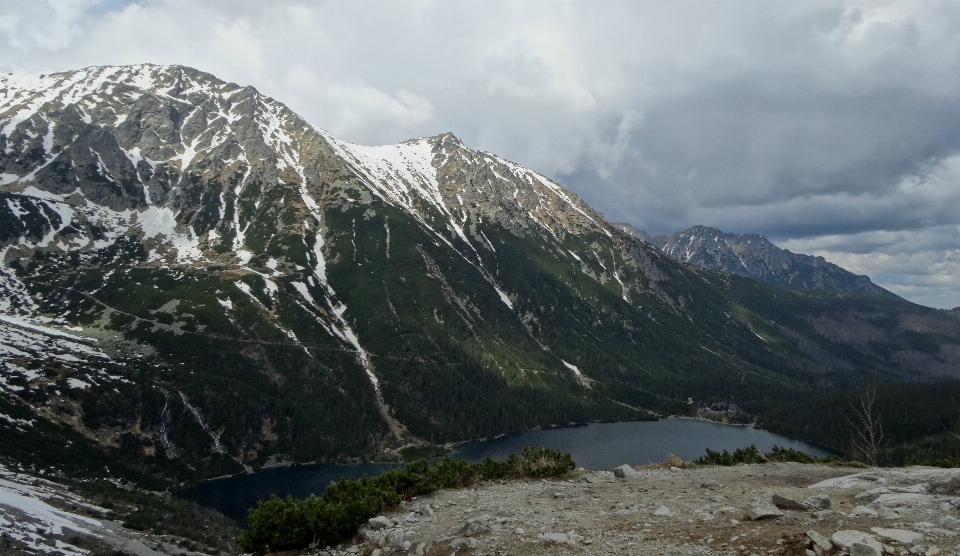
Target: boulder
949	522
846	539
860	549
663	511
555	538
821	544
817	502
461	542
787	503
872	494
761	509
379	522
425	511
887	513
903	500
709	483
729	512
899	535
863	511
473	527
624	472
395	538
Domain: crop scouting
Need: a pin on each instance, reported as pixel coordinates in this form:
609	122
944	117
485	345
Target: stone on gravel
625	472
863	511
761	509
787	503
846	539
728	511
949	522
872	494
900	535
887	513
903	500
555	538
379	522
395	538
817	502
426	511
860	549
461	542
473	527
821	544
663	511
709	483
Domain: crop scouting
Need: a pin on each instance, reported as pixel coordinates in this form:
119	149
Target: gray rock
903	500
379	522
846	539
461	542
787	503
949	522
709	483
761	509
821	544
728	512
425	511
624	472
555	538
863	511
899	535
817	502
663	511
860	549
872	494
473	527
887	513
395	538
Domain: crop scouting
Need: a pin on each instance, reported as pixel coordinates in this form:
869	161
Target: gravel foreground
682	511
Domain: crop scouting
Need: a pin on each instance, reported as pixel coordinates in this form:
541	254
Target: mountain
196	281
754	256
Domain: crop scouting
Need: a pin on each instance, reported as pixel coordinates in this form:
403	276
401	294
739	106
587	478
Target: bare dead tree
867	432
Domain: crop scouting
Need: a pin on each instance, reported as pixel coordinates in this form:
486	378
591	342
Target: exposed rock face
754	256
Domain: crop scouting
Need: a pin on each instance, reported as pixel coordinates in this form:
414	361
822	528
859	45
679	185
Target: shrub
753	455
288	523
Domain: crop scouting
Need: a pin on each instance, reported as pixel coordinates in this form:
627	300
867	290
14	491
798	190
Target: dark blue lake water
595	446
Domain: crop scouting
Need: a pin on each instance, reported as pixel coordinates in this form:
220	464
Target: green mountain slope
196	282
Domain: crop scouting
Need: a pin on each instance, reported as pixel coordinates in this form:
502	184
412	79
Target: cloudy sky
833	128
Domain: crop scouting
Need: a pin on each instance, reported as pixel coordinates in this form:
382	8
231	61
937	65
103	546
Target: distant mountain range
195	281
754	256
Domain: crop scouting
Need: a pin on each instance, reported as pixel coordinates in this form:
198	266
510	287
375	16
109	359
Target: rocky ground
40	517
775	508
823	509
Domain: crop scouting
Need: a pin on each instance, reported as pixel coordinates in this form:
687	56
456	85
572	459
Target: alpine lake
598	446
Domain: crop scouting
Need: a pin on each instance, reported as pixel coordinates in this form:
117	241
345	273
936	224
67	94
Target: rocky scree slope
195	281
754	256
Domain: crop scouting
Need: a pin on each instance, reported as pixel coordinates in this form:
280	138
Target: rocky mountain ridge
754	256
196	281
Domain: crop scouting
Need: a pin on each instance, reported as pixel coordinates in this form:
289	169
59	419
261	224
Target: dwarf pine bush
289	523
